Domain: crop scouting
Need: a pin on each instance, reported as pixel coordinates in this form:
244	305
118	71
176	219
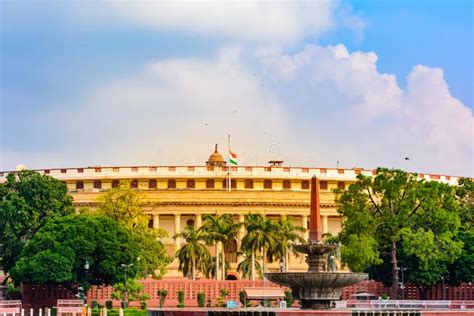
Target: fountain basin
316	290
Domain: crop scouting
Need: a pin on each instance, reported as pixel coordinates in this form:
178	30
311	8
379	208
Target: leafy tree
260	234
162	294
124	205
245	266
194	253
393	215
288	234
27	200
219	229
134	291
57	252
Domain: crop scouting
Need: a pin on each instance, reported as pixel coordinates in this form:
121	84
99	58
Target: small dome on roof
216	159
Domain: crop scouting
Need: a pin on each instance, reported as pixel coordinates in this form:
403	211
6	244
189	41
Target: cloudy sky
365	83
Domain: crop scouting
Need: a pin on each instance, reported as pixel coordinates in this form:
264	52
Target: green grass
126	312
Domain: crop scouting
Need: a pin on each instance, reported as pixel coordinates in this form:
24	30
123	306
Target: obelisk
315	214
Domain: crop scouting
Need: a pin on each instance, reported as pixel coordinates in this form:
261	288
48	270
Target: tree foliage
135	291
58	251
395	215
124	205
193	255
27	200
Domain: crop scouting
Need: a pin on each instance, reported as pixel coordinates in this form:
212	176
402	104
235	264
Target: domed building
176	196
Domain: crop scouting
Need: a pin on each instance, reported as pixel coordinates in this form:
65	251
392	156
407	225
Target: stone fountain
317	287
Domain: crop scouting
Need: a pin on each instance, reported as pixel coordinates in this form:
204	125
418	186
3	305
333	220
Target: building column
198	221
156	221
177	230
324	224
241	228
304	224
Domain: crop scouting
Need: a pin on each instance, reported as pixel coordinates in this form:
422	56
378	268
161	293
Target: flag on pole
232	158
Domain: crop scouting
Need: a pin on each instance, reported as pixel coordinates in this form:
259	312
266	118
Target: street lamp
125	266
86	268
282	264
402	285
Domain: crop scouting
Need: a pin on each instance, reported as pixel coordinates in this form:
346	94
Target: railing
404	304
10	307
70	306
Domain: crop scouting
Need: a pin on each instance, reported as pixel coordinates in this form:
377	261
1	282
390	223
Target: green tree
57	252
260	234
124	205
219	229
245	266
288	234
393	215
134	291
27	200
194	253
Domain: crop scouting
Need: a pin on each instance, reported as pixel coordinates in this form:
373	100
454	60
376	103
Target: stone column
156	221
242	228
304	224
198	221
177	230
324	223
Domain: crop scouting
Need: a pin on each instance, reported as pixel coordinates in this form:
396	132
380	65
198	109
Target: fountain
315	288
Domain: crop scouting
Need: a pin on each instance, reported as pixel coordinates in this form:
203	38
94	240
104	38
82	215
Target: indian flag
232	158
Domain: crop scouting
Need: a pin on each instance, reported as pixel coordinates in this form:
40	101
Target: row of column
198	223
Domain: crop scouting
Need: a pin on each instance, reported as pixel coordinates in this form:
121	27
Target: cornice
213	204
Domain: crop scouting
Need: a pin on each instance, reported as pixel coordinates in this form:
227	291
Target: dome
216	159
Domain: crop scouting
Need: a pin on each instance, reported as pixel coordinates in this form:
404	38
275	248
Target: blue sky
366	83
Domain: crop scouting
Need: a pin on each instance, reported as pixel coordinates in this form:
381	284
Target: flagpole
229	181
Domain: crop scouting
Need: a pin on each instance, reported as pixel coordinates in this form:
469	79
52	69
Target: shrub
143	305
242	298
289	298
108	304
162	294
201	298
180	294
95	305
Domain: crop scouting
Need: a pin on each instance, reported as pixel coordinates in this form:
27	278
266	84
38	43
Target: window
63	170
323	170
153	169
286	169
340	171
305	185
210	168
233	168
190	222
341	185
358	171
190	168
268	169
115	169
435	177
171	184
248	169
248	183
152	184
286	184
323	185
448	178
210	184
171	168
115	183
190	184
46	172
233	183
79	185
80	170
97	184
267	184
134	184
134	169
374	172
305	170
98	169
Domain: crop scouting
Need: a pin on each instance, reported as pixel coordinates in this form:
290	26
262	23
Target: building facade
176	196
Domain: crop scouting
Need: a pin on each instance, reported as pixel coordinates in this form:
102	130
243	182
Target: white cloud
317	106
270	22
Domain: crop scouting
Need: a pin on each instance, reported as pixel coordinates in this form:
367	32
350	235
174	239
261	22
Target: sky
315	83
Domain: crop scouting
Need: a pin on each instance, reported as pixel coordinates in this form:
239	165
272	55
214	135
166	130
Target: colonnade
198	223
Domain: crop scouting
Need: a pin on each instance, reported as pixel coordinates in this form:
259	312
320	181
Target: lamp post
282	264
443	289
86	268
402	285
125	266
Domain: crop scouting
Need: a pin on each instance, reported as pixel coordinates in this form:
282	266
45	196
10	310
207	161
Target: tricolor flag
232	158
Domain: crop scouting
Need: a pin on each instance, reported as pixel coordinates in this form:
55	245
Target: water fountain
317	287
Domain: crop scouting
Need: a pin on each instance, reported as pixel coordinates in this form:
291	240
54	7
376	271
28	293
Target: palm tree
245	265
217	230
288	234
260	235
194	253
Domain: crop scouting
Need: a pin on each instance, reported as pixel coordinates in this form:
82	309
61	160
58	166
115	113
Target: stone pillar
156	221
304	224
242	228
177	230
324	223
198	221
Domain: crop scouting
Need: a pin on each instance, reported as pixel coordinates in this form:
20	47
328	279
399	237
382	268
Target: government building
176	196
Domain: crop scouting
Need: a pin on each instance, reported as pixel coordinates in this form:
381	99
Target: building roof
215	158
